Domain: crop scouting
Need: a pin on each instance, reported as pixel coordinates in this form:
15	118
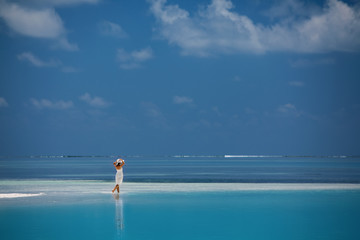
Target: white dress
119	176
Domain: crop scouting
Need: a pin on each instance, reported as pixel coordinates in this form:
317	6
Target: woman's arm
123	163
115	165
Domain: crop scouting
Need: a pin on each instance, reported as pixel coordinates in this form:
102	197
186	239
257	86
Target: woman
118	164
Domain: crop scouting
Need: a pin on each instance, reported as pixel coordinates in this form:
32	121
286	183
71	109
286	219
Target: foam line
252	156
19	195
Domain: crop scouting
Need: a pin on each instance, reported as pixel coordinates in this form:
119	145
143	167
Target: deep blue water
292	169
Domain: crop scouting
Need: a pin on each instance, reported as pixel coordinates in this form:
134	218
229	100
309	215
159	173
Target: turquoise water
197	215
180	197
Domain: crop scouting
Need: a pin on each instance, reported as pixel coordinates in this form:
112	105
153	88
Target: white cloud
211	30
28	56
142	55
3	102
182	100
216	28
37	23
94	101
48	104
111	29
63	43
133	59
37	62
44	23
289	109
291	9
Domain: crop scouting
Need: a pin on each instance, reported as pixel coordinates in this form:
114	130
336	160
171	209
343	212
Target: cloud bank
217	28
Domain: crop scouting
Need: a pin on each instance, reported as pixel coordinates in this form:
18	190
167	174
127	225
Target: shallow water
271	214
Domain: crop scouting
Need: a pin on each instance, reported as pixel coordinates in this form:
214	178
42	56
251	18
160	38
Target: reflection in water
119	217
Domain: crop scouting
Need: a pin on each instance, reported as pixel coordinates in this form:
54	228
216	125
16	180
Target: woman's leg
116	187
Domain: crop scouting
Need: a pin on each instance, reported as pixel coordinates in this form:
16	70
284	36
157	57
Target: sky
97	77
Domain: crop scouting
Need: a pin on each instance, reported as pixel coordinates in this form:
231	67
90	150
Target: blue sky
179	77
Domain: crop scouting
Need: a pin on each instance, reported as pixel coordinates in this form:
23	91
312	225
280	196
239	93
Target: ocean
184	168
180	197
